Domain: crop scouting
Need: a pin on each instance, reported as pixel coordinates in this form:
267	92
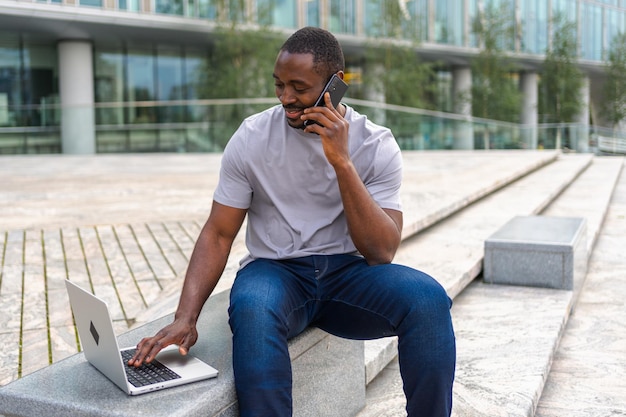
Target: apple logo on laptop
94	332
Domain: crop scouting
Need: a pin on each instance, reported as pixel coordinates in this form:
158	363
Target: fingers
325	116
149	347
188	341
328	101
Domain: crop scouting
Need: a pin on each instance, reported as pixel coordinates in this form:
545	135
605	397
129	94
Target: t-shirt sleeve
384	184
234	188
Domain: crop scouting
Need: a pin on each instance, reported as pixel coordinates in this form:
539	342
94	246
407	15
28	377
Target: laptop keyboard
148	373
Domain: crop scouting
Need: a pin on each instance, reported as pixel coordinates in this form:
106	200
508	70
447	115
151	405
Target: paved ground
54	191
586	378
587	374
97	219
120	225
124	227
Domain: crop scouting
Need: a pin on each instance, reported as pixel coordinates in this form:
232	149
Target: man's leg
268	306
366	302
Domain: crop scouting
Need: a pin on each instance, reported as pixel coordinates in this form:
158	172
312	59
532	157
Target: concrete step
507	336
439	184
453	202
328	379
488	381
587	373
452	251
119	229
590	195
433	191
435	186
508	348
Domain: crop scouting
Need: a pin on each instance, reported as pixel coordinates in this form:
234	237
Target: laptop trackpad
184	365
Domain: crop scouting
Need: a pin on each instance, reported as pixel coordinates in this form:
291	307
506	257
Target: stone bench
538	251
328	378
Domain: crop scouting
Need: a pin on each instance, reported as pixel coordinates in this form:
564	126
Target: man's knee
416	288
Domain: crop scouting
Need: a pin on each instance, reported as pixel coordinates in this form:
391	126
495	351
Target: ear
340	74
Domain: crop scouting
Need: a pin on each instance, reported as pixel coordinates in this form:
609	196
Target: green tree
560	100
397	71
241	60
495	94
393	66
615	84
240	65
393	71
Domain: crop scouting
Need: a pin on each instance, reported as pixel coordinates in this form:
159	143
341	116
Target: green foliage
392	20
393	66
240	64
494	28
615	85
495	94
230	11
400	74
560	100
240	60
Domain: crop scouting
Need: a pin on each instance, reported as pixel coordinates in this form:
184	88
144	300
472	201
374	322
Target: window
279	13
534	26
92	3
174	7
449	22
592	32
109	84
341	18
312	12
28	82
140	85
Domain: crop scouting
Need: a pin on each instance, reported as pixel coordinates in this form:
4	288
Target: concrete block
329	379
537	251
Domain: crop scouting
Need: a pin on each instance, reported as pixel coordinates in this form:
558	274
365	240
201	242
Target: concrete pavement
124	225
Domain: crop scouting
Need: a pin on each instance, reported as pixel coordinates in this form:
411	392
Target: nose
286	96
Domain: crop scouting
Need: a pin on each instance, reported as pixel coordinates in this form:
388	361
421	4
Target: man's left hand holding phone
336	87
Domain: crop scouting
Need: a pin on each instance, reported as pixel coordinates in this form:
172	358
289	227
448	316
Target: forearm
206	265
374	232
205	268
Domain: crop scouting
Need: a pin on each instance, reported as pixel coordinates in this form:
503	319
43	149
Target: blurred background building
87	76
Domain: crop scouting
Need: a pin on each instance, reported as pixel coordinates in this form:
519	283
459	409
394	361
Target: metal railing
207	125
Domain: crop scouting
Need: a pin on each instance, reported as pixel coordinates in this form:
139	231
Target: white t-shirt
281	175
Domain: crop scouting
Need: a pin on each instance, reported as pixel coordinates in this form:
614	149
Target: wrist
187	317
343	166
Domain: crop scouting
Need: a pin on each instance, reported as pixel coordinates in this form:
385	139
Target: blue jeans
272	301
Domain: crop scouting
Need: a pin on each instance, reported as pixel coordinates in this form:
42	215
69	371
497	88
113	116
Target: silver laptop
99	343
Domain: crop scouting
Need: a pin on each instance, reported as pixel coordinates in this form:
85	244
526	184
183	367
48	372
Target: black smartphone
337	88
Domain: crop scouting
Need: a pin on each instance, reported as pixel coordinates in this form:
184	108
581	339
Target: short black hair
327	54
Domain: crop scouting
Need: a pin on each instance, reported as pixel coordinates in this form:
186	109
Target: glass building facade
147	88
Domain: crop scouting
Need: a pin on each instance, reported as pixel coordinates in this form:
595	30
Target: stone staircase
507	337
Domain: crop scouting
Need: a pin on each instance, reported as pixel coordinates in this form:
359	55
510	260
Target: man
324	224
